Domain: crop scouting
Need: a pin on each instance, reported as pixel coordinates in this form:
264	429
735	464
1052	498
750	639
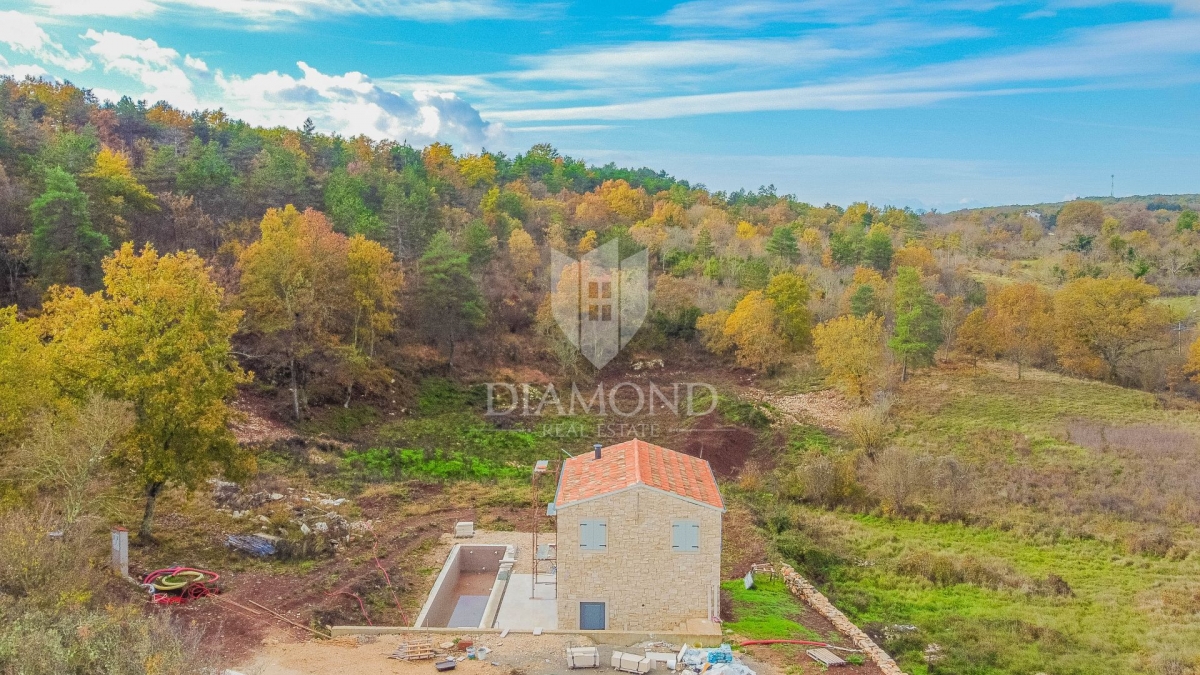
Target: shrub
899	476
38	569
868	427
116	642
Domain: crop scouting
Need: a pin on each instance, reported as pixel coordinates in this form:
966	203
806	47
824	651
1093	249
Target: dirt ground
523	653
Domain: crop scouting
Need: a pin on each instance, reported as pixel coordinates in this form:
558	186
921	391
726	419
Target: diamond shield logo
599	301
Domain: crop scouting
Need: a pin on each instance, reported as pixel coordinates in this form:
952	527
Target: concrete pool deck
521	609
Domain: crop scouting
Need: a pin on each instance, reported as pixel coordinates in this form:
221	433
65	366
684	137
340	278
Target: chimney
597	447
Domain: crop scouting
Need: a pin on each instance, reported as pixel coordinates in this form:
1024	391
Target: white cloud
416	10
715	57
157	68
1123	55
121	8
20	70
353	104
730	14
23	35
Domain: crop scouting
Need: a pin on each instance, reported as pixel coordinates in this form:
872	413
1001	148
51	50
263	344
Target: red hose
360	604
785	642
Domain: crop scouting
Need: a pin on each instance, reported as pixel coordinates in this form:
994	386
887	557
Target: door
591	616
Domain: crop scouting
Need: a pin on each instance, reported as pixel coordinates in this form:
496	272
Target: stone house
639	541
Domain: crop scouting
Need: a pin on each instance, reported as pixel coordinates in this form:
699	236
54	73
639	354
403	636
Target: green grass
1128	612
766	612
1112	624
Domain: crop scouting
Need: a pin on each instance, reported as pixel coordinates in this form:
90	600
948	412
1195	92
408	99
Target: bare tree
65	453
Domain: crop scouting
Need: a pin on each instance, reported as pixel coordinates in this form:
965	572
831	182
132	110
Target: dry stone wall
799	586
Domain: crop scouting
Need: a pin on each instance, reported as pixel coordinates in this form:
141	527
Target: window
593	534
591	616
685	536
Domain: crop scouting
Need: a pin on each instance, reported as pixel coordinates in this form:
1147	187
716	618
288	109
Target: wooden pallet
414	651
825	657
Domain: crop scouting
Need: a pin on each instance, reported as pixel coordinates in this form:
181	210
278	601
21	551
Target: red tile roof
637	462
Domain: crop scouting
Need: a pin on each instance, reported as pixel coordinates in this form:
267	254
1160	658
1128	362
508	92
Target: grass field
1079	553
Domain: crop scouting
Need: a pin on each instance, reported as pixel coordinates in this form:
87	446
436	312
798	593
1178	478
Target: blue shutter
685	535
593	535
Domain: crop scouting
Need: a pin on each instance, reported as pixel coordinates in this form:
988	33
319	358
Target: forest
978	401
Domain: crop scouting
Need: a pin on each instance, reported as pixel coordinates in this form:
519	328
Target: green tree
704	244
845	245
1187	221
479	243
877	248
346	208
206	175
450	304
66	249
790	294
783	243
918	330
863	301
158	337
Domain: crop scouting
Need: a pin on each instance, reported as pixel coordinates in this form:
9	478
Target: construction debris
716	661
630	663
583	657
825	657
260	545
417	650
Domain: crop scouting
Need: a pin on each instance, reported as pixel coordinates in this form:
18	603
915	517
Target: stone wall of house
800	587
645	585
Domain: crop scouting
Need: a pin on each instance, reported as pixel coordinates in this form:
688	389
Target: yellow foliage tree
851	349
26	379
746	230
115	194
375	281
913	255
478	170
588	242
1100	324
973	338
524	254
1021	322
751	329
157	336
293	285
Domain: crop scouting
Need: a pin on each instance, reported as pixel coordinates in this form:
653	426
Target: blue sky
933	105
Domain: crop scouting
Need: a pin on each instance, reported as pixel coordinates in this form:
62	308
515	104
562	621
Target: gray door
591	616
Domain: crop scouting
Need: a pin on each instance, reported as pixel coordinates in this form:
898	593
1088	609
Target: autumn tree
851	349
26	378
115	195
523	255
1021	322
974	339
293	285
750	328
918	330
790	295
1082	214
450	303
157	337
65	248
1101	324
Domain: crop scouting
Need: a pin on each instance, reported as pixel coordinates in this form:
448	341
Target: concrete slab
520	611
468	611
